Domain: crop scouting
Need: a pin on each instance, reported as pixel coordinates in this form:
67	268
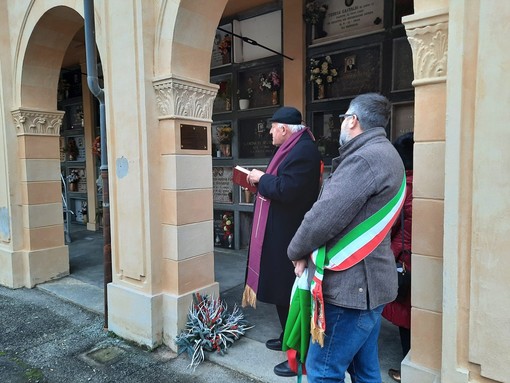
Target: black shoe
274	344
395	374
283	369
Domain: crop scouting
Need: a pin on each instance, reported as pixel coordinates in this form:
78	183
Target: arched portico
37	252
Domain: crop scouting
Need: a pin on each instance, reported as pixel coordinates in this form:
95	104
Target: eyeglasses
344	116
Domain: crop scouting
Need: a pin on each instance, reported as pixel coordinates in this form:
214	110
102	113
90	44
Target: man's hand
254	176
299	266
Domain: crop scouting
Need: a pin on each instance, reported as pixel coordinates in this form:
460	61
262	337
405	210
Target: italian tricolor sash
348	251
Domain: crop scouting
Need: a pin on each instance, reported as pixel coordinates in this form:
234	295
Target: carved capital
37	122
430	48
182	98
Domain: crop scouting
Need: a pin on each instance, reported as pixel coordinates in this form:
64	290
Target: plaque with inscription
402	119
193	137
254	138
222	184
346	18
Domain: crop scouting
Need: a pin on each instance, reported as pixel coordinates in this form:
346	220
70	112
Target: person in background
398	312
347	233
286	191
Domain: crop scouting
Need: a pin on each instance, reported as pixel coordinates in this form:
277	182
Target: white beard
344	138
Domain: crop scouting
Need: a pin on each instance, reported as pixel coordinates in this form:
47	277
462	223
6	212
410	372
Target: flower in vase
315	12
224	134
74	176
227	224
322	71
225	45
270	81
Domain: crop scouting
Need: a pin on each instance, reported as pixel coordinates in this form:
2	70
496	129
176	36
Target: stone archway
42	254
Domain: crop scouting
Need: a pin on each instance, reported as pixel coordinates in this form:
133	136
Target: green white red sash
348	251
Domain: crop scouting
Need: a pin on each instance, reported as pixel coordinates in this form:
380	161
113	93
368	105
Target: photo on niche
350	63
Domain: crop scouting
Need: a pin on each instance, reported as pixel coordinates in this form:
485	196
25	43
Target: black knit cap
287	115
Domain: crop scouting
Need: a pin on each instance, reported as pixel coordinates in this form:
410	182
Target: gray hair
372	109
293	128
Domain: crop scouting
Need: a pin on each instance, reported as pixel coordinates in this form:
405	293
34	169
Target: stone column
427	31
186	195
44	255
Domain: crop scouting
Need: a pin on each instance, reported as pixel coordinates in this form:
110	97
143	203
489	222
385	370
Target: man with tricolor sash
344	241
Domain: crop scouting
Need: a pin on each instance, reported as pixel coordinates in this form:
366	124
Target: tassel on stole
249	297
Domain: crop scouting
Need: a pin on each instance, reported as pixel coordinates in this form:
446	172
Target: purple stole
260	214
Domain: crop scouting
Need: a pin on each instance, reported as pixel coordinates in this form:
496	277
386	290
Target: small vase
244	103
247	196
274	97
319	29
230	240
321	91
225	150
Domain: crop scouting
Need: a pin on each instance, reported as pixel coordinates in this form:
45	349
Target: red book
239	177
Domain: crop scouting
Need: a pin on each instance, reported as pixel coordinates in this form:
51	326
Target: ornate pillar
44	255
186	203
427	31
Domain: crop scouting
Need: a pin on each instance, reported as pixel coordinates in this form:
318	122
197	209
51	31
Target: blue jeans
350	343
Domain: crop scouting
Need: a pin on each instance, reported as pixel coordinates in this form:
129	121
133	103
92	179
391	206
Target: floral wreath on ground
322	71
224	134
227	224
270	81
210	327
315	12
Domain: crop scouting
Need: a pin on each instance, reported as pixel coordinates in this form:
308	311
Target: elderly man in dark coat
286	191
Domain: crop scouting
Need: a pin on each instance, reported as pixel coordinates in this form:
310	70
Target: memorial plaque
346	18
222	184
359	71
402	119
254	139
193	137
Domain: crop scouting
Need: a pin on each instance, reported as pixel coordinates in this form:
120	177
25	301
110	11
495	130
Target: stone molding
184	99
37	122
428	37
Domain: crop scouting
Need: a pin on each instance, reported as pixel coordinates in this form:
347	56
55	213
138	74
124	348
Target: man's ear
353	122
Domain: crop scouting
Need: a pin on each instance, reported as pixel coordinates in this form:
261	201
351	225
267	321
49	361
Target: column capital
428	36
37	122
178	97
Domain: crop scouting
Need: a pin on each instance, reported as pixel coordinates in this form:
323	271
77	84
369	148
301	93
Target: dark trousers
405	340
283	313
